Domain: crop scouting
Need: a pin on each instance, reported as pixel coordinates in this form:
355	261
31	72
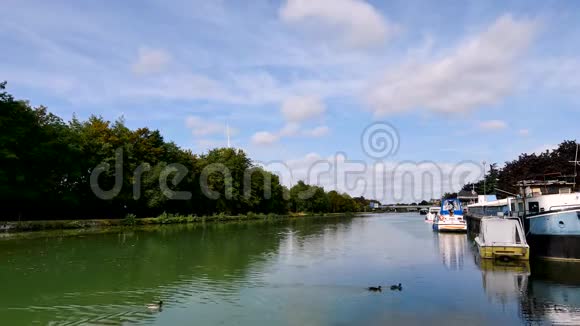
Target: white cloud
265	138
295	110
479	71
177	87
290	129
301	108
203	127
317	132
236	88
493	125
386	181
524	132
357	21
151	61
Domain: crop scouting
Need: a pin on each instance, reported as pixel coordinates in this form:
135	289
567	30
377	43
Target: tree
48	169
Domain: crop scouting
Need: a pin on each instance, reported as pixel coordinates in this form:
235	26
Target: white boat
450	218
432	214
551	215
501	238
488	205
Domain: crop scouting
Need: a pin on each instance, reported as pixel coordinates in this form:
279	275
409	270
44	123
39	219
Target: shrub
130	219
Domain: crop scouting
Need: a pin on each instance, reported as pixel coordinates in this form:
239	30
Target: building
467	197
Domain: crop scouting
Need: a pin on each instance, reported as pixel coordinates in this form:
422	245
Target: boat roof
493	220
495	231
445	203
498	202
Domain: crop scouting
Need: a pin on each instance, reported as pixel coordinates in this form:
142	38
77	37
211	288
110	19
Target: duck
375	288
398	287
155	306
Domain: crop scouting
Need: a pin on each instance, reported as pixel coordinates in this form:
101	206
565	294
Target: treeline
52	169
550	164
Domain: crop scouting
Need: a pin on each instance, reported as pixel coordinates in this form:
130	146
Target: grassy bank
132	221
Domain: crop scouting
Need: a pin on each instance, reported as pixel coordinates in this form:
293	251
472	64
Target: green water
311	272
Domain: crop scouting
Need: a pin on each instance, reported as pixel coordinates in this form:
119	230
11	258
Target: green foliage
449	195
129	220
526	167
46	166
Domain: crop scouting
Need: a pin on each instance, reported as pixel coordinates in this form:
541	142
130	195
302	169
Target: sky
398	87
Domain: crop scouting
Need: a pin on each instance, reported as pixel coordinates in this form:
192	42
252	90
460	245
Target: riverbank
12	227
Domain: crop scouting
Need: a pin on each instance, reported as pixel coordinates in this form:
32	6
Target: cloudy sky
300	80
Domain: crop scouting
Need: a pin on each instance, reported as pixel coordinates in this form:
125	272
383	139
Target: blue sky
299	79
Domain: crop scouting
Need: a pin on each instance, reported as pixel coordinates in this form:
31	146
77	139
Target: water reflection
504	282
312	272
110	277
452	249
546	292
553	293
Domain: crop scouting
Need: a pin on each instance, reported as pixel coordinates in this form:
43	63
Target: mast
484	178
576	163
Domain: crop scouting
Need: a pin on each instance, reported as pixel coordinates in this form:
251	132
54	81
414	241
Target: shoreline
13	228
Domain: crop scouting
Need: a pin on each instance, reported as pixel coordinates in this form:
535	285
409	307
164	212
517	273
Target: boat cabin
489	206
500	231
502	238
451	207
537	197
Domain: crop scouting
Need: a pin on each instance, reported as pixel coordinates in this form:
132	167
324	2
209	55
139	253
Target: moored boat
487	205
551	214
432	214
450	218
501	238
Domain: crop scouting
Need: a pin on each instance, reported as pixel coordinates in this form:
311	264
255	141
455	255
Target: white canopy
497	231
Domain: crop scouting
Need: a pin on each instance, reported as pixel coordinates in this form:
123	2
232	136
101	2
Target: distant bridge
400	208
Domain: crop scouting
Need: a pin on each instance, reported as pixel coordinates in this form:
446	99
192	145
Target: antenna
484	177
576	163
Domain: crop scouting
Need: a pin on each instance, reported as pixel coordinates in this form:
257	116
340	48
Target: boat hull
557	247
499	252
555	235
447	227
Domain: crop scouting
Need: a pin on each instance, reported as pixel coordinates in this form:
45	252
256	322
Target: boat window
518	240
534	207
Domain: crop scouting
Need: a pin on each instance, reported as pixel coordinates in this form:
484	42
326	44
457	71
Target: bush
130	220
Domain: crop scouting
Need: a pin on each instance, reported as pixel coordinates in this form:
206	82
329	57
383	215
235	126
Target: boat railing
507	244
563	207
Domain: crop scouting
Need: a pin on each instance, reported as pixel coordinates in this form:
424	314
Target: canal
309	272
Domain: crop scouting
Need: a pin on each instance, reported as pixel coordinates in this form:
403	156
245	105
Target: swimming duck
155	306
397	287
375	289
